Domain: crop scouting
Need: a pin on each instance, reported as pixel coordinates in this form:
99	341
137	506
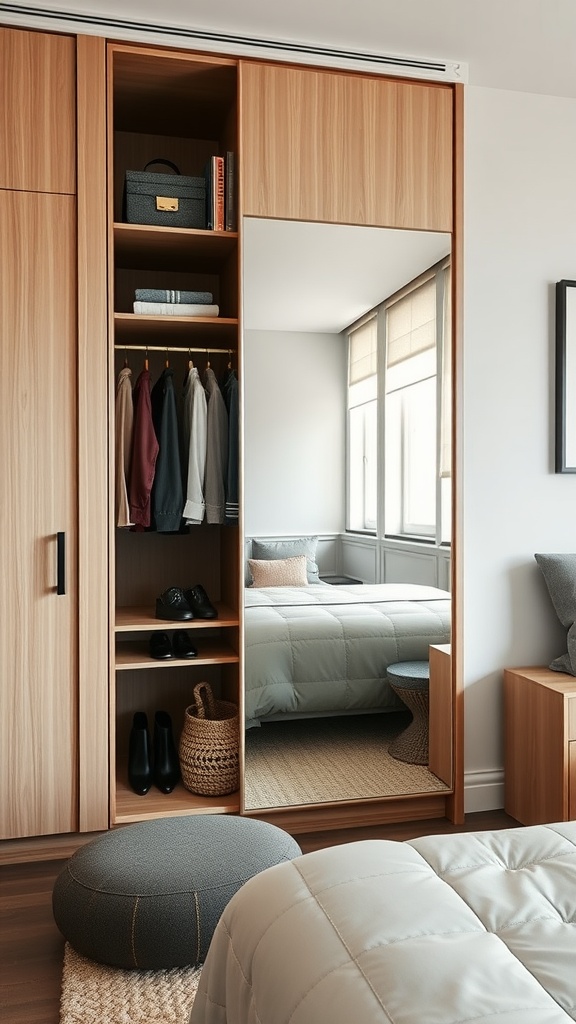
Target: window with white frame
399	414
363	426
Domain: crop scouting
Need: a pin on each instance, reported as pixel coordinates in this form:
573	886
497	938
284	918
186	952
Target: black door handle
60	563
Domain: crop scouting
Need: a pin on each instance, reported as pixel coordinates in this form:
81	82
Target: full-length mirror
347	398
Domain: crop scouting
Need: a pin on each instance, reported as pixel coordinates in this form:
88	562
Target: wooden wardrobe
309	144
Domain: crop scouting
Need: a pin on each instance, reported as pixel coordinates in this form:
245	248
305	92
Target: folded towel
175	309
165	295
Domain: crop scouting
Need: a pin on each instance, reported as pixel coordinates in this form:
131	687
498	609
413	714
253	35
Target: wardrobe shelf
134	656
132	327
130	807
140	618
142	247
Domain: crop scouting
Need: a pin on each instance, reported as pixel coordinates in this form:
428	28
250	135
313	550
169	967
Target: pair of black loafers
152	763
178	605
163	647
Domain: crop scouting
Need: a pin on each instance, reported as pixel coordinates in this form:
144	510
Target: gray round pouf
150	895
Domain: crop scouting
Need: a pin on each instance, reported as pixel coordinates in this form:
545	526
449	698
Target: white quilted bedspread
452	929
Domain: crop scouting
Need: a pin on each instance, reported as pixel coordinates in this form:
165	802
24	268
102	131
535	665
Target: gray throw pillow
559	571
290	549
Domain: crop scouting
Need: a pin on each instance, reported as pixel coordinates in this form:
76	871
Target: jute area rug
317	760
94	994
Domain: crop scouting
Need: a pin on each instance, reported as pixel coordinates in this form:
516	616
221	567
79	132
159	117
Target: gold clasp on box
165	203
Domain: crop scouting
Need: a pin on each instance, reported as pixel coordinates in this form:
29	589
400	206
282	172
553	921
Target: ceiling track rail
224	42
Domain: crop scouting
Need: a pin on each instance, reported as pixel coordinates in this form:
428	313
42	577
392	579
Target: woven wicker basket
208	750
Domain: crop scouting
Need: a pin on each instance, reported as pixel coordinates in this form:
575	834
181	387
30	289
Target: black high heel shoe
166	762
139	766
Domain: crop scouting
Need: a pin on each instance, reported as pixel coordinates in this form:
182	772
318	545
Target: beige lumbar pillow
279	572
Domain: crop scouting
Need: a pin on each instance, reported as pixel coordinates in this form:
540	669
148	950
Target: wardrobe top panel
343	148
38	89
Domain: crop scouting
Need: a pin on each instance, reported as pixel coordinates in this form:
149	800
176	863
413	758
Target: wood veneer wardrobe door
37	125
38	627
344	148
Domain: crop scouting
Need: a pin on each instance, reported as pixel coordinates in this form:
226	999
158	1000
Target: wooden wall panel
441	713
351	149
38	111
93	389
38	649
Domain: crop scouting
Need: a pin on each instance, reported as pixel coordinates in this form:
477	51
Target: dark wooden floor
31	947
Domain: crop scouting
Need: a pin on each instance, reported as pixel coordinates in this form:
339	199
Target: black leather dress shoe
197	600
160	646
182	645
173	606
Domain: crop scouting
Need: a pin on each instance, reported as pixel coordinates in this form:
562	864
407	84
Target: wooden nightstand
539	745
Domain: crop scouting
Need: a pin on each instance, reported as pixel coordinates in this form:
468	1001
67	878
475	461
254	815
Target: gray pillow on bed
559	571
271	549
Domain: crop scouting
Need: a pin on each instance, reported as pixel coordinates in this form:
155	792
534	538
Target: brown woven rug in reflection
95	994
318	760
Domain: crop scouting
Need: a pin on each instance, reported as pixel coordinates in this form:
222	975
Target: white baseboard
483	791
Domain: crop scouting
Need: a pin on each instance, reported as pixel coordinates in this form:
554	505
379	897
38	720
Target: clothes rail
172	348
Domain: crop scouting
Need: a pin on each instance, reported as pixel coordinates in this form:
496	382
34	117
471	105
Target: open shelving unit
182	108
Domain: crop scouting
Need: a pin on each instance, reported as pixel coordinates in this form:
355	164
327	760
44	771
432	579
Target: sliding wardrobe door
38	626
345	148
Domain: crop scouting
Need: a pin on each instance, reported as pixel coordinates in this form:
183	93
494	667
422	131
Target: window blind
411	323
363	351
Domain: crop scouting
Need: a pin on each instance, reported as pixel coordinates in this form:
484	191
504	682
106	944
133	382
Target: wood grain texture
537	747
440	718
37	119
355	814
344	148
93	384
38	648
572	777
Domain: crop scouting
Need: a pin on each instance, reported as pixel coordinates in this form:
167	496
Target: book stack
167	302
220	205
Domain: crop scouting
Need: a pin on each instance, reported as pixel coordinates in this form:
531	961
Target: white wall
294	433
520	238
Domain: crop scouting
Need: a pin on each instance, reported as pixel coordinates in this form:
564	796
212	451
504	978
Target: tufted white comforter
472	927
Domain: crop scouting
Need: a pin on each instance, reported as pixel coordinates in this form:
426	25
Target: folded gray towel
166	295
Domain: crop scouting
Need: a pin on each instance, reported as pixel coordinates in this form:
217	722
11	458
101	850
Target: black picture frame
566	376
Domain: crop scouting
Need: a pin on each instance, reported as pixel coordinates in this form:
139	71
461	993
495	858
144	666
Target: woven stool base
411	745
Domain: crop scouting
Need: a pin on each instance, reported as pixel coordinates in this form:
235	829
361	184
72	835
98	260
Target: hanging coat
216	450
230	392
124	422
167	496
144	454
194	431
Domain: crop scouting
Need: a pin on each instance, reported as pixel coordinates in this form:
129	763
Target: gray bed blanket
323	650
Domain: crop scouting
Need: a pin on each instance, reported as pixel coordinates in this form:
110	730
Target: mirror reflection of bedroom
347	498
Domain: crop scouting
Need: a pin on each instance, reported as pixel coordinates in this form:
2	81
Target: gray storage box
166	200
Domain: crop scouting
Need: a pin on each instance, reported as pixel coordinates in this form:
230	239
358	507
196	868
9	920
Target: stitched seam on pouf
133	931
196	904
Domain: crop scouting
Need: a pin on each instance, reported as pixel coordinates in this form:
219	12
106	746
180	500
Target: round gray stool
410	680
150	895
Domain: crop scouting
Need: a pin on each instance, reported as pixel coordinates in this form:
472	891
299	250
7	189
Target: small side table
410	680
539	745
